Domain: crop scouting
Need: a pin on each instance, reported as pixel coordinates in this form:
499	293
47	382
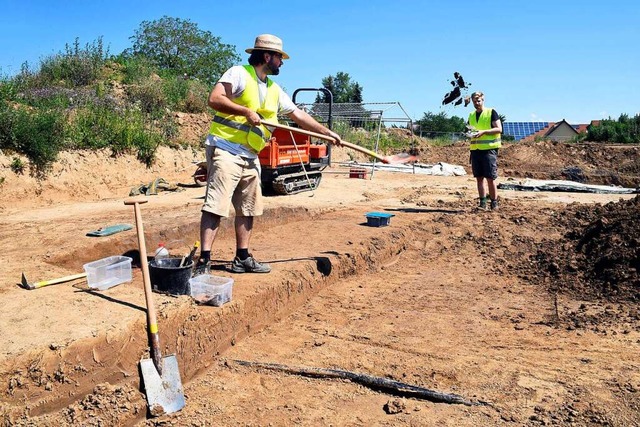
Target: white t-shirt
236	76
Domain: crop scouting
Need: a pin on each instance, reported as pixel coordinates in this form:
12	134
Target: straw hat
268	42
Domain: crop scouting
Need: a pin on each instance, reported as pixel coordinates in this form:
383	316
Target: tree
440	123
625	130
342	89
180	47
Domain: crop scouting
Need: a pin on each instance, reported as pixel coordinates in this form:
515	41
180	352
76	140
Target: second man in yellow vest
485	143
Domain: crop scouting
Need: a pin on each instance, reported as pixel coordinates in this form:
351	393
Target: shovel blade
164	393
399	158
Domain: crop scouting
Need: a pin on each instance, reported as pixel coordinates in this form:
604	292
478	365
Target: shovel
161	376
395	159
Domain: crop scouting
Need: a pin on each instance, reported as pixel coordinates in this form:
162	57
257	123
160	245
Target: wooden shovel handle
327	138
44	283
152	321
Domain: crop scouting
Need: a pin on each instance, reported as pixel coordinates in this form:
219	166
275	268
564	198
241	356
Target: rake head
25	284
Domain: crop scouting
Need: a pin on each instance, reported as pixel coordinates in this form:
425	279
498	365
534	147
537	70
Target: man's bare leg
209	224
243	225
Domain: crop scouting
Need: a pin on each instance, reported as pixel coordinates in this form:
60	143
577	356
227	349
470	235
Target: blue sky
535	61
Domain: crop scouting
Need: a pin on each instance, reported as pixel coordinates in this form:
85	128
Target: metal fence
362	123
443	137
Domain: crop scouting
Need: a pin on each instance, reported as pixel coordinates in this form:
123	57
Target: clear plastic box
211	290
108	272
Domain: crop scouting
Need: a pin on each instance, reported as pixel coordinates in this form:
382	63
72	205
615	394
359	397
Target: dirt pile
591	163
599	256
595	163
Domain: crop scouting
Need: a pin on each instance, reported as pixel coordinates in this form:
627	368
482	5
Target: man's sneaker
494	205
483	203
249	265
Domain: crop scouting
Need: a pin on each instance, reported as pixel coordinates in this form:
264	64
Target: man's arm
220	100
305	121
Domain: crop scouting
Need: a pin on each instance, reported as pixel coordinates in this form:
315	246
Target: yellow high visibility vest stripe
485	142
235	128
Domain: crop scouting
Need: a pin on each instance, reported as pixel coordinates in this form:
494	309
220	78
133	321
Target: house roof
542	132
552	126
581	128
557	125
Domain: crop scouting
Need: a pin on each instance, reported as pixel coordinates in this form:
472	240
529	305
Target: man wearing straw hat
242	98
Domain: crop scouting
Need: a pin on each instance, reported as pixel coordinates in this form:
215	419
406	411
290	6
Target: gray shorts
484	163
232	180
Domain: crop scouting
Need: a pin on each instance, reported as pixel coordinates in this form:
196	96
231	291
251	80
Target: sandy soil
530	313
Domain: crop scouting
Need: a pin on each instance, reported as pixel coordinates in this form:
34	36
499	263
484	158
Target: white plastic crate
108	272
211	290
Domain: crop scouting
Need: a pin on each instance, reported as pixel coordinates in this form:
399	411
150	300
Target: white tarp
439	169
565	186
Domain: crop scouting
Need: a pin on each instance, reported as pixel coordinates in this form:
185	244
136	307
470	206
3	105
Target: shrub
49	97
577	139
120	129
76	66
186	95
17	166
135	68
7	119
8	89
39	135
149	96
444	140
25	79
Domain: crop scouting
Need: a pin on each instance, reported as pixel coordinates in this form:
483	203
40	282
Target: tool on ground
108	231
30	286
396	158
161	376
187	260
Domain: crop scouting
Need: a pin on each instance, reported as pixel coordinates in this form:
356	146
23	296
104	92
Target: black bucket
167	276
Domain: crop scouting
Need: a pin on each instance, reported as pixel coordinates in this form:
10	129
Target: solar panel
520	130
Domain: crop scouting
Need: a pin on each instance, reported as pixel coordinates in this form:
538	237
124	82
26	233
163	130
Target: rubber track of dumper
279	184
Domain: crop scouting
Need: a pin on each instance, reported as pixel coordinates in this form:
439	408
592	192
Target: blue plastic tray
378	219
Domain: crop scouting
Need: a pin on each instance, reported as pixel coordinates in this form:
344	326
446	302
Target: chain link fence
378	126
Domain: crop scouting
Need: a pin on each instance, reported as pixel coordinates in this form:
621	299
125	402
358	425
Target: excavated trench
48	381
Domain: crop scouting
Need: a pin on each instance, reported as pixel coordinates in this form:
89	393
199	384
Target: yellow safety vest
236	128
485	142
